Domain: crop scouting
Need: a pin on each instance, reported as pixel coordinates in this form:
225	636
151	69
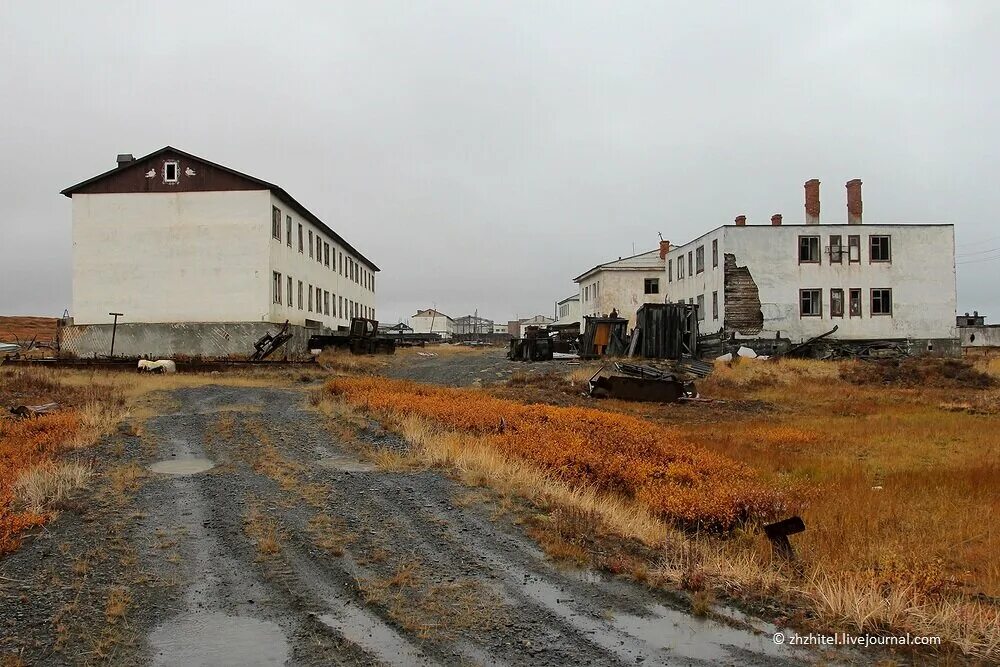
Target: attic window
170	172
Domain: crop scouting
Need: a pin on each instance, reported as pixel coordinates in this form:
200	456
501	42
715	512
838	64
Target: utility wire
977	252
979	261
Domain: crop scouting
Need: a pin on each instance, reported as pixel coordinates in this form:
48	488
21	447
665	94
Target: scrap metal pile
633	382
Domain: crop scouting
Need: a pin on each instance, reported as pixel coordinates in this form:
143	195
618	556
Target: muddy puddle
214	638
182	466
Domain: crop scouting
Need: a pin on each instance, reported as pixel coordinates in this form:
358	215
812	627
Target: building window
881	301
855	302
836	303
810	303
310	243
341	263
319	249
701	306
300	295
699	259
715	305
836	251
340	307
276	222
300	240
326	302
309	296
808	250
715	253
371	285
289	295
319	300
680	267
326	254
690	263
879	249
670	270
853	249
170	171
651	286
276	286
288	230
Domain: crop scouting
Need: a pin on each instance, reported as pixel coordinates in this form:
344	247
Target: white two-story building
798	281
174	239
621	285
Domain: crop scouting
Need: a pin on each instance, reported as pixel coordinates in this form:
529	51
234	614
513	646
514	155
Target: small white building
568	310
432	321
798	281
623	285
174	239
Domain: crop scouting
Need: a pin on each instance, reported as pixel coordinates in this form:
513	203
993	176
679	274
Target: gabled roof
430	312
278	192
644	261
571	297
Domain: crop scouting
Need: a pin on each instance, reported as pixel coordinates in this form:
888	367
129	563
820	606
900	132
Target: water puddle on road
182	466
365	630
344	463
214	638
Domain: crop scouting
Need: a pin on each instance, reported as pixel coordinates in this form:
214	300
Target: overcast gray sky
484	154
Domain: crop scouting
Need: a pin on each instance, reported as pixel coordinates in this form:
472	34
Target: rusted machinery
362	338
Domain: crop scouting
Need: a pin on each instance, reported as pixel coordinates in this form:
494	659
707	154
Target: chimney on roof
125	158
812	201
776	219
854	202
664	249
741	220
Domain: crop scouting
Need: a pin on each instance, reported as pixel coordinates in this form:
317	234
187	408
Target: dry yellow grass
43	486
343	361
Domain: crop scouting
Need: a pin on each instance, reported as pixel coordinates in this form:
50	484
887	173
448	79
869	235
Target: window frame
300	295
326	254
276	223
311	244
837	256
670	270
853	292
819	294
871	246
700	302
650	282
871	301
288	230
853	242
177	172
290	304
699	259
715	254
833	302
812	239
715	305
690	262
309	298
301	245
276	281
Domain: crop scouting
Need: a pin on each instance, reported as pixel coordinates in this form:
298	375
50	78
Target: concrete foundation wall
210	340
984	336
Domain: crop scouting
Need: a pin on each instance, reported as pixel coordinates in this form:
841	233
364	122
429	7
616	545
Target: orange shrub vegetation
608	451
23	445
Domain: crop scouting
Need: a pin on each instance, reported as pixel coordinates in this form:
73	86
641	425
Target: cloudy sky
484	154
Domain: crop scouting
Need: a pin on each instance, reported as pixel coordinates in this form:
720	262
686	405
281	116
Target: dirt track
291	548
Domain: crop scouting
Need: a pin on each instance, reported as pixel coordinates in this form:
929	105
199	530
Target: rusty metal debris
30	411
604	336
665	331
640	383
530	349
778	533
362	338
268	343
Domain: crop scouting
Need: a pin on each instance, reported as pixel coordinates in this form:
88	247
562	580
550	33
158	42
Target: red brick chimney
854	202
741	220
812	201
776	219
664	249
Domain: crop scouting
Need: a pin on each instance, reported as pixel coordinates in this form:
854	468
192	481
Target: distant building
499	328
798	281
433	321
973	320
623	284
516	327
471	324
568	310
977	336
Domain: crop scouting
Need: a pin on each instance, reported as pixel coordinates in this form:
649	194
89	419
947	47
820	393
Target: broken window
836	302
836	250
170	172
701	306
310	243
854	249
276	286
300	238
288	234
810	303
808	250
715	305
879	249
670	270
855	302
651	286
300	295
290	292
690	263
699	259
881	301
276	222
715	253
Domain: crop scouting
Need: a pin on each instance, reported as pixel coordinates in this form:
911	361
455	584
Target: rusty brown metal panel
741	298
146	175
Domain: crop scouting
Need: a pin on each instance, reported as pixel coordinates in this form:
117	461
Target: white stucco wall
288	261
921	276
620	289
568	312
980	336
171	257
703	283
438	324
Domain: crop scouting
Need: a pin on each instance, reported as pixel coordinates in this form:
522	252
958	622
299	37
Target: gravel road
263	538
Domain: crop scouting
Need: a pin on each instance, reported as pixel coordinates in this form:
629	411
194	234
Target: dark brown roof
231	180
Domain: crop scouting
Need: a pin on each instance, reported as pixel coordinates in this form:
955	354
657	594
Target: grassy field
896	472
25	328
